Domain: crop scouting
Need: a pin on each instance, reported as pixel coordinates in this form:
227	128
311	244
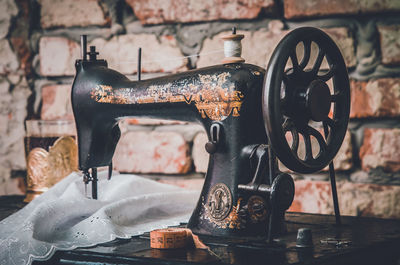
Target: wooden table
357	241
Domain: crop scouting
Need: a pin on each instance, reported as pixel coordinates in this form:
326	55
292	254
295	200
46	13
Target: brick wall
39	43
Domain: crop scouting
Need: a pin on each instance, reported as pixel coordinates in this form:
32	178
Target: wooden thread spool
233	48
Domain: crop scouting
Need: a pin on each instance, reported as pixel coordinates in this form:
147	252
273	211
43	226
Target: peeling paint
215	96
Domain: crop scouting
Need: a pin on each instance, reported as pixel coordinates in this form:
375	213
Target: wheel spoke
293	58
331	123
335	97
327	132
295	141
320	139
287	125
306	55
328	75
318	61
329	127
283	86
307	143
285	78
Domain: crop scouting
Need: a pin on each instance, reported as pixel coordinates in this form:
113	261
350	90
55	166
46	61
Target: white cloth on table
63	218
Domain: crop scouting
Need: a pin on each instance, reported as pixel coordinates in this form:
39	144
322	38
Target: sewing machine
252	117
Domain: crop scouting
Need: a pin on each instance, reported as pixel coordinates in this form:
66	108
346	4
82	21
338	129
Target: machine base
358	241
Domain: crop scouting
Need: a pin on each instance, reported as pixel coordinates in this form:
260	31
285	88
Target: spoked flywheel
306	98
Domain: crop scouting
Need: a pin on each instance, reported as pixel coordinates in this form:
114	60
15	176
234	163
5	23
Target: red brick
312	197
381	148
199	153
121	53
10	186
344	158
188	131
8	11
152	152
19	37
345	41
186	183
317	8
69	13
21	46
175	11
390	44
355	199
13	112
57	56
375	98
259	45
56	102
9	62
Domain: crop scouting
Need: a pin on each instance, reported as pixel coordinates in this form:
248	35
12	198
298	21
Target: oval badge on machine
219	202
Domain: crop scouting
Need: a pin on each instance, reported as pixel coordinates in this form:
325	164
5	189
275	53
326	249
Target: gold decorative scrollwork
213	95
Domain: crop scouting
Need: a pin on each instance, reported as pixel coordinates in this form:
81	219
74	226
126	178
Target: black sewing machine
251	115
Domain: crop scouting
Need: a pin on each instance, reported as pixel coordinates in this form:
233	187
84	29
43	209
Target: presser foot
92	177
110	168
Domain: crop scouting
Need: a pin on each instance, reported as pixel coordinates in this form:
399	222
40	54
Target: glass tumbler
51	154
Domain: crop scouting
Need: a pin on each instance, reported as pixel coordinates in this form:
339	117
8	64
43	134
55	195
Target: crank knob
215	136
211	147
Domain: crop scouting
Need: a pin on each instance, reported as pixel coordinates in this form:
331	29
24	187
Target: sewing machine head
250	115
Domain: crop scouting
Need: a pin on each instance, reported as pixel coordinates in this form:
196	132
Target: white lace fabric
64	219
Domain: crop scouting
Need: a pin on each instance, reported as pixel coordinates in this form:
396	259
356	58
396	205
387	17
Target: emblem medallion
219	202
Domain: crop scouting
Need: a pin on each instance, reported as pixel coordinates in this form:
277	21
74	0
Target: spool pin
233	47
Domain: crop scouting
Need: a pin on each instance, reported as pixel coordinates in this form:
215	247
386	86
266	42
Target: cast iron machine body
247	113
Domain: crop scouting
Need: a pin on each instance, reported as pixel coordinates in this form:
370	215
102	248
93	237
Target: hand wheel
297	100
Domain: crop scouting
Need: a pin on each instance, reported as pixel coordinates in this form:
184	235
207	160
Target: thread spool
233	48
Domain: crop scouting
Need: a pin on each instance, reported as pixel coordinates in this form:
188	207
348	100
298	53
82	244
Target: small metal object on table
356	241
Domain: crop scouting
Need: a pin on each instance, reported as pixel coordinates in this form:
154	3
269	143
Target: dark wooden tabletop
10	204
357	241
